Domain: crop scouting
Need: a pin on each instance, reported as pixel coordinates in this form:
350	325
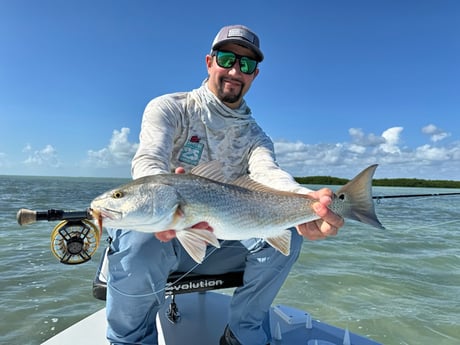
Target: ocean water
398	286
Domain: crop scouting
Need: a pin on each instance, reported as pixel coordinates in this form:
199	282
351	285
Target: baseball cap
238	34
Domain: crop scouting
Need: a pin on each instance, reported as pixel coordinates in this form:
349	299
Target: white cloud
359	138
430	153
47	157
436	134
392	138
358	149
118	152
348	158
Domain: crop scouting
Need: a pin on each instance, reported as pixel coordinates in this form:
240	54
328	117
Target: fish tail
357	197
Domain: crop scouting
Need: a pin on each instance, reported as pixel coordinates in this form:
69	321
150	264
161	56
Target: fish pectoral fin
205	235
281	242
195	242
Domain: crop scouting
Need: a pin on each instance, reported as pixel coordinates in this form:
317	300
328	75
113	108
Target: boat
194	312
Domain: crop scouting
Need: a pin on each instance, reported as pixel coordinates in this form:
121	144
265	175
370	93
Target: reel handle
25	216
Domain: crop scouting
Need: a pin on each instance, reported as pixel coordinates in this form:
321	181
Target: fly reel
73	242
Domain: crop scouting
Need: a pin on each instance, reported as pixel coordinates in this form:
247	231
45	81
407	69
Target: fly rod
378	197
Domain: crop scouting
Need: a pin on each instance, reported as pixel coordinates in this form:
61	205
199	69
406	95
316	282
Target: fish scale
231	209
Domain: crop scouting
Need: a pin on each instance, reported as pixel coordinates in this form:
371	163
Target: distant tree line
384	182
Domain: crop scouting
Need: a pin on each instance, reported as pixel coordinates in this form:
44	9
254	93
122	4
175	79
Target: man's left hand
329	222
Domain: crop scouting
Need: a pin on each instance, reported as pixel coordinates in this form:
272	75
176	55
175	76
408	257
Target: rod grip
25	216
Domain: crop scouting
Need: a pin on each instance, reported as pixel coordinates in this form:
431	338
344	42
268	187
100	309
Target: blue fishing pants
139	265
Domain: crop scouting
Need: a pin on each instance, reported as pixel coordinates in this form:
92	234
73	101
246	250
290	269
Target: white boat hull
203	319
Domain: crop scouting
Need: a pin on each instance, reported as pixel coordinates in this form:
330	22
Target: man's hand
168	235
329	222
165	236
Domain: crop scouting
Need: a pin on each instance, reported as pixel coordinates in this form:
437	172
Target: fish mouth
99	214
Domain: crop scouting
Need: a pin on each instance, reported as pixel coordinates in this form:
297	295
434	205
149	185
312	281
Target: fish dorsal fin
212	170
249	183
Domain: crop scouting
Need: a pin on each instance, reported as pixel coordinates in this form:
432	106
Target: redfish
238	210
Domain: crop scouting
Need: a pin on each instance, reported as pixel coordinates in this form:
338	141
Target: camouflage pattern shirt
189	128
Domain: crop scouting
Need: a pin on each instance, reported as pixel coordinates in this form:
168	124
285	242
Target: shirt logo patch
192	150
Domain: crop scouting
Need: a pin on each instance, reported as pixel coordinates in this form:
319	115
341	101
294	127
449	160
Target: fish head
141	205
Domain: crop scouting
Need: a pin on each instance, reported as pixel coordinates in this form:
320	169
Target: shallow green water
399	286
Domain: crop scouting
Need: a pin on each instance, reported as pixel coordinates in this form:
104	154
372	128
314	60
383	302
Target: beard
229	96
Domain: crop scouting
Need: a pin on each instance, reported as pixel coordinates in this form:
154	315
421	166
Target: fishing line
379	198
193	268
413	195
222	245
167	284
435	224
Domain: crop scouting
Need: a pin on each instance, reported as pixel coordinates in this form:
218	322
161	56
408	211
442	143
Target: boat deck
202	320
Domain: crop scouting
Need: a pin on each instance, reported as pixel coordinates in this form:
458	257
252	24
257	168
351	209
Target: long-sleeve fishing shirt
189	128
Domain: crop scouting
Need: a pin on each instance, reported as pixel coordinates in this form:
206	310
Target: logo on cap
239	32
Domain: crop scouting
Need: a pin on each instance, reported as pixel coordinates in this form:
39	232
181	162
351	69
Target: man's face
230	84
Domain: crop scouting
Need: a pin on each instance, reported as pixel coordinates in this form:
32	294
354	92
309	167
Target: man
180	131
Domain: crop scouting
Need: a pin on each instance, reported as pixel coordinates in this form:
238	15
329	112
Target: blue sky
344	84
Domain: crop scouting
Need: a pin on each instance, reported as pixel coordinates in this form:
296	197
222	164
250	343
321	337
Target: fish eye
342	196
118	194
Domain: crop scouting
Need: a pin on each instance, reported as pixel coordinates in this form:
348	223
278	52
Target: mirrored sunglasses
227	60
